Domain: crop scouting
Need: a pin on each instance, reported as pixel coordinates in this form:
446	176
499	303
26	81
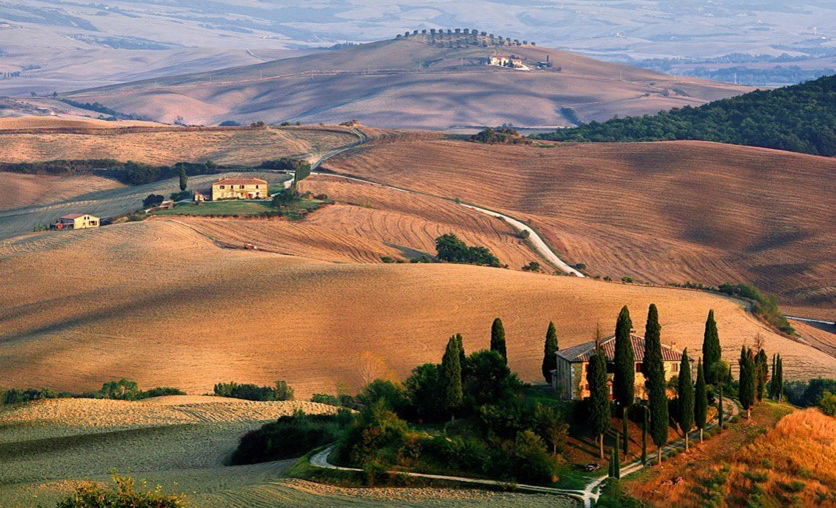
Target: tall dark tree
770	388
549	353
624	378
184	179
711	351
615	462
779	386
746	390
685	412
761	374
644	434
654	373
700	400
462	355
451	373
599	397
498	338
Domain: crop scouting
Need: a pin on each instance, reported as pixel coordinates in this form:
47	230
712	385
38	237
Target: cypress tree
184	179
624	378
615	461
549	353
644	435
780	385
654	373
700	400
599	396
685	415
770	389
451	371
711	351
498	338
462	355
746	393
720	410
761	374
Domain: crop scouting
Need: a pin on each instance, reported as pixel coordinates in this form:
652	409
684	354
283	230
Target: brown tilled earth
160	303
25	190
658	212
167	145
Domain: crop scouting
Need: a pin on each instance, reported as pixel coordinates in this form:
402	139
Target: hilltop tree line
798	118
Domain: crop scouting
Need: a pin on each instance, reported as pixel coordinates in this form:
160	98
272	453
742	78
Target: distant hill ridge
798	118
432	80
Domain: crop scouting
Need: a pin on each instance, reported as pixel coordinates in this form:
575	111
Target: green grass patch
231	208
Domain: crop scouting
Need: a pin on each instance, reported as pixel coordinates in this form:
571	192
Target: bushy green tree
486	379
498	339
392	394
711	351
746	387
685	411
425	390
550	353
654	372
551	426
624	377
827	403
599	397
700	400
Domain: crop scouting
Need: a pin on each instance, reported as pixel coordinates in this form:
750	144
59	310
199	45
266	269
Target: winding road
535	241
588	496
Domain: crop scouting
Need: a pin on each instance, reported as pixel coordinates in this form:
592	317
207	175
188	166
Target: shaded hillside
800	118
660	212
411	82
176	310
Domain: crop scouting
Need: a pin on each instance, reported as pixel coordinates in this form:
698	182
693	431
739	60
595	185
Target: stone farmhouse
240	188
77	221
569	378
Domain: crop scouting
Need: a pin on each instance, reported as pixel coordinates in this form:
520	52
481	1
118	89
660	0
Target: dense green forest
799	118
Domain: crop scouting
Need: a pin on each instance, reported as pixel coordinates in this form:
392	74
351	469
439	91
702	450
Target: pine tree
746	393
451	371
761	374
599	396
498	338
700	400
624	378
685	415
184	179
549	353
711	351
654	373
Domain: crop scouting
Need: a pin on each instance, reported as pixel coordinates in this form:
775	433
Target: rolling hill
177	310
658	212
411	82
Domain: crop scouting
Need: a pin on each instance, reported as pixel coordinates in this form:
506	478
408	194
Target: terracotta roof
73	216
241	181
583	352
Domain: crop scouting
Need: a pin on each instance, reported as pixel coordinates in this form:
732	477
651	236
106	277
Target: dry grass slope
660	212
175	310
26	190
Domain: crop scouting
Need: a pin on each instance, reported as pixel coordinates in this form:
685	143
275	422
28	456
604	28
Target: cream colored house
240	188
569	378
78	221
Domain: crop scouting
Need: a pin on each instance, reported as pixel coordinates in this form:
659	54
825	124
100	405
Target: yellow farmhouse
77	221
240	188
569	378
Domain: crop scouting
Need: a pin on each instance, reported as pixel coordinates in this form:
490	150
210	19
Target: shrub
827	403
500	135
15	396
290	436
376	435
387	259
153	200
391	395
341	400
626	279
125	495
533	266
280	391
452	250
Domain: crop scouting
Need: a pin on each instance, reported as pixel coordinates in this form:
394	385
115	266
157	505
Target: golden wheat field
162	304
367	223
25	190
168	145
659	212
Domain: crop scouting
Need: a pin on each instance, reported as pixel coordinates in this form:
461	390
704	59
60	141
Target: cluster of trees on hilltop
799	118
500	136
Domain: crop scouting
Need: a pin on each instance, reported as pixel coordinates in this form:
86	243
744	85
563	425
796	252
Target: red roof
241	181
583	352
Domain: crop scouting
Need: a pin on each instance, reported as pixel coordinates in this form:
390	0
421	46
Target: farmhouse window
240	186
222	187
676	367
638	366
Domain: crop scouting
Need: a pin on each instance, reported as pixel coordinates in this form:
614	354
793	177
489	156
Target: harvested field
176	310
25	190
74	122
820	336
658	212
168	145
369	222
